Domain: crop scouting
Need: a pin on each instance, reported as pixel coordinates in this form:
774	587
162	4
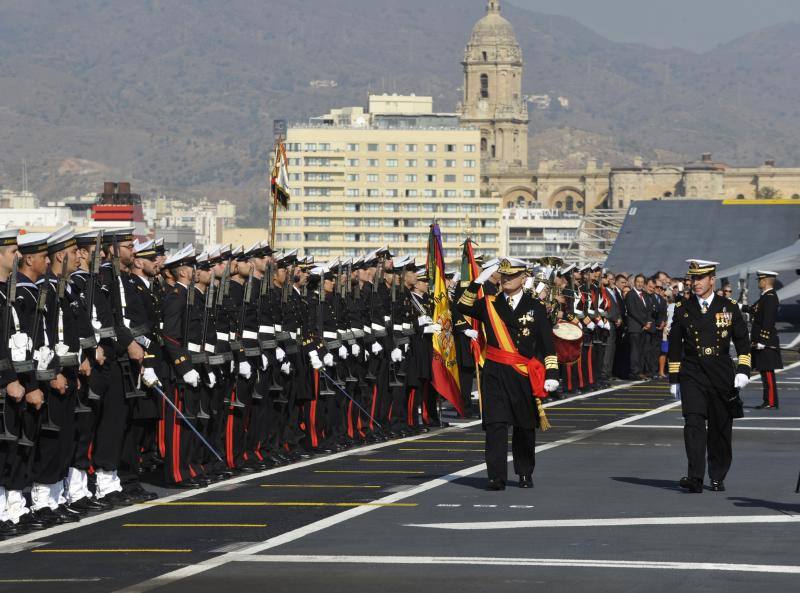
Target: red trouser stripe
770	375
589	366
372	409
411	396
425	416
579	364
229	434
176	442
162	430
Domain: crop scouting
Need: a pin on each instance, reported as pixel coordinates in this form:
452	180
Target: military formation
119	360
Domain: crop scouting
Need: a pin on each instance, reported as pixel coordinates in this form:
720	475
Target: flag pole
274	219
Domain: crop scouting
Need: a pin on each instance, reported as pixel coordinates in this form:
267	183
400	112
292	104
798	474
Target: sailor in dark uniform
521	368
764	339
702	374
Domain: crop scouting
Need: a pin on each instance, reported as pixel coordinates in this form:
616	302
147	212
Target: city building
382	178
18	199
530	233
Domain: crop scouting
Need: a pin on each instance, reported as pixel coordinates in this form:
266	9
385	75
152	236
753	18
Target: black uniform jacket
506	393
765	312
698	350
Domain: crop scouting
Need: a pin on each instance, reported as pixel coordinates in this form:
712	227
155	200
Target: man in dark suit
639	322
521	368
764	338
614	317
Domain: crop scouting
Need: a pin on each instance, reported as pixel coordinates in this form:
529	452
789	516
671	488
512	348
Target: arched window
667	194
484	86
579	205
494	151
485	57
740	197
483	144
570	203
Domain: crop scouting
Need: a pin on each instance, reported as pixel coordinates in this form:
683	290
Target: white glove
264	362
472	334
486	274
192	378
212	380
245	370
396	355
279	354
328	360
760	346
432	328
316	363
424	320
590	325
355	349
675	390
19	344
286	368
550	385
343	352
740	380
376	348
149	377
44	355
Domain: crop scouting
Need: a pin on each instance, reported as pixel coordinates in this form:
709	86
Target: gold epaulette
745	360
551	362
674	368
679	303
468	298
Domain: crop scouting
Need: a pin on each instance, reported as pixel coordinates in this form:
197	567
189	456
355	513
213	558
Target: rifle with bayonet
5	364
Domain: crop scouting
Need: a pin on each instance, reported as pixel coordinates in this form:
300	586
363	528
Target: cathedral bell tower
493	98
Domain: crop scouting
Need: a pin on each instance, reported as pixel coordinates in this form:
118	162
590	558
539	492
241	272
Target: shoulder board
733	301
679	303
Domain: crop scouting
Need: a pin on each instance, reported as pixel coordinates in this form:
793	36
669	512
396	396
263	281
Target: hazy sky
691	24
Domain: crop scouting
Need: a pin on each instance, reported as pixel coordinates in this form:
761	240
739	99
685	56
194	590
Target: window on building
484	86
373	193
324	146
450	193
411	178
469	179
310	146
392	178
430	178
449	147
450	163
391	162
372	147
411	193
352	193
430	162
391	148
469	148
372	177
449	178
352	147
352	177
411	148
392	193
411	163
372	162
352	162
570	204
430	148
429	193
484	145
469	164
485	56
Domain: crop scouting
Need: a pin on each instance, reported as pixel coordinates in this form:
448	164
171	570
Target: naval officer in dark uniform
702	374
764	338
521	368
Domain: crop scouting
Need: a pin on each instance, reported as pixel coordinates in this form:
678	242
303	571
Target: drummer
569	367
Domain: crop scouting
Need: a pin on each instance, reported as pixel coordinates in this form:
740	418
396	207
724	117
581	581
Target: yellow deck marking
317	486
365	471
195	525
368	460
281	504
446	441
112	551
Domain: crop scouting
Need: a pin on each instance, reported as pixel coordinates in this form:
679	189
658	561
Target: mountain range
178	96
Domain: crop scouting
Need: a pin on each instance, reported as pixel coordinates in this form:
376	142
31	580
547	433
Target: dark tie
704	307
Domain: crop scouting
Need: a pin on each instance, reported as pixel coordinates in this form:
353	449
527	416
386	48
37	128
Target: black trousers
637	342
709	434
523	444
770	388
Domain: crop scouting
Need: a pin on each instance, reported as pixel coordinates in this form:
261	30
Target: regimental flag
469	271
280	176
445	364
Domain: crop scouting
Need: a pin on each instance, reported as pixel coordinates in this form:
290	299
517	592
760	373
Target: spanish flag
445	364
280	176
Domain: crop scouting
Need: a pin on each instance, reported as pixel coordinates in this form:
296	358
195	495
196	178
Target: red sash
509	355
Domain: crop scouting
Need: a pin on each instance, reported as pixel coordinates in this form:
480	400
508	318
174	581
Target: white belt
209	348
278	328
232	335
222	336
406	326
266	329
249	335
387	318
377	327
330	335
397	328
193	347
367	329
357	333
293	335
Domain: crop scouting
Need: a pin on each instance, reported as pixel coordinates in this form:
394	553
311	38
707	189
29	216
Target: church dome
493	30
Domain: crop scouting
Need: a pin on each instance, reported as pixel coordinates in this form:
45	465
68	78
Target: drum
568	338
